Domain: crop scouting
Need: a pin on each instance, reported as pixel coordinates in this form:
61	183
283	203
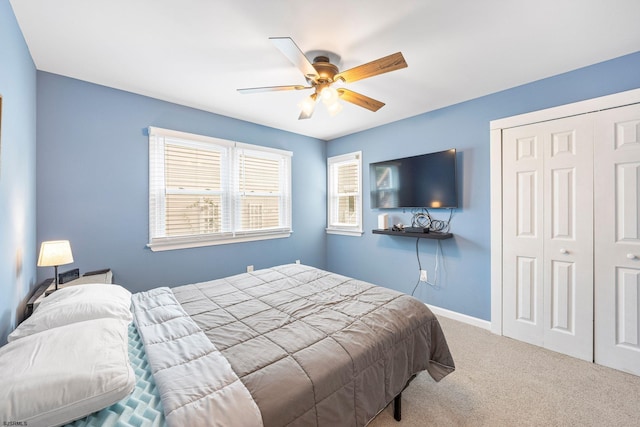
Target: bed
289	345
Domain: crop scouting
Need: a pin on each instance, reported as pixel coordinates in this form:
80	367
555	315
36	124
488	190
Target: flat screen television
424	181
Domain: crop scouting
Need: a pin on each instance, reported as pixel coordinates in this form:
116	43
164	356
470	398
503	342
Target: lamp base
55	277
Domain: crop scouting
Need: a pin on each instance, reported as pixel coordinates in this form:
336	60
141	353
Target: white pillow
76	304
54	377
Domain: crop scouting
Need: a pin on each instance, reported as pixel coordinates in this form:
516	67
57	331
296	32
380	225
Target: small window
345	194
208	191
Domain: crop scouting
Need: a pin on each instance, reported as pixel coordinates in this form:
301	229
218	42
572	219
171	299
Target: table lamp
55	253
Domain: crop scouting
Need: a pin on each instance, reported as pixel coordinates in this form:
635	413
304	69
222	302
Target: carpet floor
503	382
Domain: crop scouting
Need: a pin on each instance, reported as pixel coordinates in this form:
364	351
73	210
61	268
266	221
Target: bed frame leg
397	407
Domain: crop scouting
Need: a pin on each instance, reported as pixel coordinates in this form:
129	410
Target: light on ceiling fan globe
334	108
307	104
329	95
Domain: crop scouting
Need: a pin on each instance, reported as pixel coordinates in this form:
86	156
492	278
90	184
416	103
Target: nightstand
47	286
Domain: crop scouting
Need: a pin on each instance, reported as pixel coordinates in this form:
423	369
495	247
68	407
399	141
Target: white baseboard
474	321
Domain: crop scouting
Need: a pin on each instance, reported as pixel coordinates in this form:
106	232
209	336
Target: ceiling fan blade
272	88
291	50
360	100
379	66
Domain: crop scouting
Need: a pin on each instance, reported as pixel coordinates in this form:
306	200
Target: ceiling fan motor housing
326	70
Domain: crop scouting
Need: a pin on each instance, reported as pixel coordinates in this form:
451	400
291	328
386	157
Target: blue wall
464	282
17	172
92	186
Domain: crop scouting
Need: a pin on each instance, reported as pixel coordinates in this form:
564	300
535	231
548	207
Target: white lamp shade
54	253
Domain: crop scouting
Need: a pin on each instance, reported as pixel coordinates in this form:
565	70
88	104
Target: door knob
564	251
631	256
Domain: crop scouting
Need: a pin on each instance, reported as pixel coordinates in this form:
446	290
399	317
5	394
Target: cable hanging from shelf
438	254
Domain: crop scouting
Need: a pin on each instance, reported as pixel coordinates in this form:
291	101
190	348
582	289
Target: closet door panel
562	204
526	195
627	293
522	239
563	291
626	204
526	287
617	239
568	236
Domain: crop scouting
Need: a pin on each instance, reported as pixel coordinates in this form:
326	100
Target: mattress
143	407
305	346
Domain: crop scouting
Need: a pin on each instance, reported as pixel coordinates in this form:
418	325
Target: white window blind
206	191
345	194
261	190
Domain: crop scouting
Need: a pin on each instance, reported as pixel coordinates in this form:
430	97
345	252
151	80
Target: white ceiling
198	52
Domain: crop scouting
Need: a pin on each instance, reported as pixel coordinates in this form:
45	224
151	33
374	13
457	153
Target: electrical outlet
423	275
249	268
297	261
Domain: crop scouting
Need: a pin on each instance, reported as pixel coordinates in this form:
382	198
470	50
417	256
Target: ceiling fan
322	74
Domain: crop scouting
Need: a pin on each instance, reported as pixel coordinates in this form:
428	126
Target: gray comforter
313	347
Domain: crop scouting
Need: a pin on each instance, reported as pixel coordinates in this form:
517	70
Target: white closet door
568	236
548	235
617	239
523	243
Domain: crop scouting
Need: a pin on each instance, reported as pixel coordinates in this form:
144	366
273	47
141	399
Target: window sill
355	233
184	243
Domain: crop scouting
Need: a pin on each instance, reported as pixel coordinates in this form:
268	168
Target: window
344	193
208	191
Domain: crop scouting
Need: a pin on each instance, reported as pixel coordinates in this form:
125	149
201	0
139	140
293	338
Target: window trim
355	230
157	191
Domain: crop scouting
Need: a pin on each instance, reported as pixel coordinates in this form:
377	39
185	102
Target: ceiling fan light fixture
307	105
329	95
334	108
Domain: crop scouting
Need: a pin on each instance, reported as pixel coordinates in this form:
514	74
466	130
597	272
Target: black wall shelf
432	235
